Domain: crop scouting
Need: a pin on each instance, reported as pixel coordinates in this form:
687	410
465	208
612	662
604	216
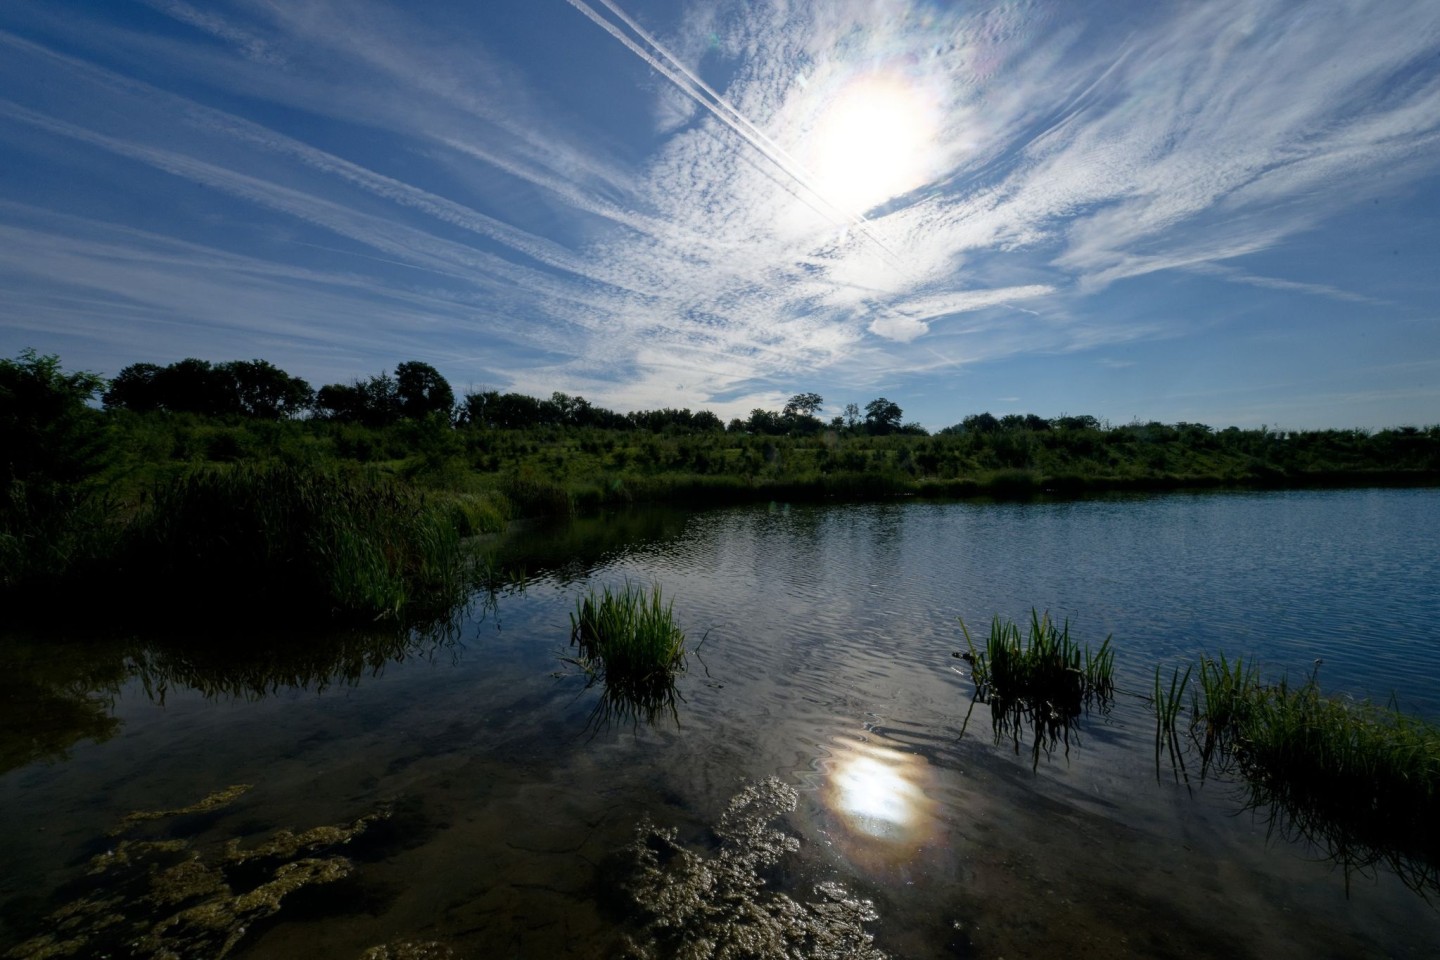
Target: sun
874	140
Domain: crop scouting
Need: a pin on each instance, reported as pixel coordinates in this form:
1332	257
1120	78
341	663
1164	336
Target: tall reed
288	541
1043	681
629	638
1045	667
1359	780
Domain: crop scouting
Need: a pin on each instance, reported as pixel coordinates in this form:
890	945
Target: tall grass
1045	667
295	542
1043	681
630	639
1360	780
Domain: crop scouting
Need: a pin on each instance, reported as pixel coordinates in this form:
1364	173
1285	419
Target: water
826	663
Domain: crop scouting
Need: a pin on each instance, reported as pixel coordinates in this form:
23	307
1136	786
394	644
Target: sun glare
875	140
877	791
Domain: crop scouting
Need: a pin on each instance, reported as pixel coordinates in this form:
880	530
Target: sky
1218	211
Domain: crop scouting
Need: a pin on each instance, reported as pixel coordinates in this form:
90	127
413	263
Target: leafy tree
134	388
374	402
48	433
852	415
882	416
420	390
255	388
261	389
1082	422
194	386
765	421
340	401
803	405
980	423
514	411
473	411
707	421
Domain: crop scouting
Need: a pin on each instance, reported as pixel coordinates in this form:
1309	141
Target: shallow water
826	663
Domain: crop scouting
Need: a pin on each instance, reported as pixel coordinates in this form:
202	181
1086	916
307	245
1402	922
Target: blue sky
1222	211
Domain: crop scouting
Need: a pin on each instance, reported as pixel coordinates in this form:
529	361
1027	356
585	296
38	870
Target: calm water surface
826	662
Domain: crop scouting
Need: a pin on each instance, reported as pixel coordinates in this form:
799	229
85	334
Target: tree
852	415
764	421
48	433
1082	422
194	386
803	405
134	389
261	389
374	402
475	408
980	423
882	416
344	402
421	391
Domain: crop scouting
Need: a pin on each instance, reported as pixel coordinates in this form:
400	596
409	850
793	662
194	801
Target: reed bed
1360	780
295	542
630	639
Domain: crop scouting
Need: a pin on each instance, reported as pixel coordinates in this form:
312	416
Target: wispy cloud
415	169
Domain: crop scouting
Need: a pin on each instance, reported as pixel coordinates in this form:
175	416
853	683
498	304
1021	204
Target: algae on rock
162	899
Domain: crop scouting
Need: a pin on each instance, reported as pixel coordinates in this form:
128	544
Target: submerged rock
718	907
163	899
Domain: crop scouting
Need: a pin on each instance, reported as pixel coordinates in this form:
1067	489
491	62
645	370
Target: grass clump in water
1046	667
1358	780
1044	680
629	638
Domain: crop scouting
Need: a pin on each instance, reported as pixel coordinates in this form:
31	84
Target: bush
51	452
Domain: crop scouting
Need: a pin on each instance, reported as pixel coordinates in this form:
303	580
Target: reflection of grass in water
55	693
618	707
52	700
166	898
631	641
1042	682
1361	782
720	906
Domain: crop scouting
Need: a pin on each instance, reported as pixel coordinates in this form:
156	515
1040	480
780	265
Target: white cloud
1070	152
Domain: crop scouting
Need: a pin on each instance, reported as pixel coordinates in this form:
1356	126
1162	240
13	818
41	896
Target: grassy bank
549	470
274	544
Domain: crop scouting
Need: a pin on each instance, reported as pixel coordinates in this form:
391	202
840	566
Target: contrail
702	93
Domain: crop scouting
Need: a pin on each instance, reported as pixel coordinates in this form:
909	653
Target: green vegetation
84	489
298	540
1044	681
53	500
1358	780
1047	667
630	640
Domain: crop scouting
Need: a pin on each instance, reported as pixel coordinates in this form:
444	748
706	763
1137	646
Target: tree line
417	391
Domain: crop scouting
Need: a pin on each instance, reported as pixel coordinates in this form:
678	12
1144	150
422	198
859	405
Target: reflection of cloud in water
880	792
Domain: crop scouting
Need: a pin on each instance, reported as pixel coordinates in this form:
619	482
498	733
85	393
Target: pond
824	679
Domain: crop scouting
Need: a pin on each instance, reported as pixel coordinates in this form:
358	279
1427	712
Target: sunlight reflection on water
879	792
